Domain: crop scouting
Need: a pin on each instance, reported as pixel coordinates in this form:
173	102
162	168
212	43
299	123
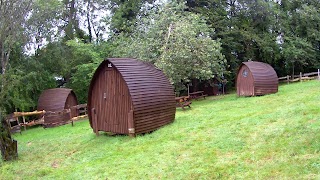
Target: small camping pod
256	78
129	96
56	100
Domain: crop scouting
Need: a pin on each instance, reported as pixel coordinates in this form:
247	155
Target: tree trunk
8	146
88	21
292	77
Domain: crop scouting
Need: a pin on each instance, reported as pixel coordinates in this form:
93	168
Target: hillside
269	137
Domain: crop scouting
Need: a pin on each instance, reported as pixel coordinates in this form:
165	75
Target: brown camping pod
129	96
55	102
256	78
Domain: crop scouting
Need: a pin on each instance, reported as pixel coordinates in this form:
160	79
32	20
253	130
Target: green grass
269	137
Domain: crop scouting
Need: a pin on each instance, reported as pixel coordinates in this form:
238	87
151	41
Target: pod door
112	103
245	82
70	102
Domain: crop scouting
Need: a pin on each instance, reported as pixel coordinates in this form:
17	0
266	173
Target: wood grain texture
260	79
130	94
57	100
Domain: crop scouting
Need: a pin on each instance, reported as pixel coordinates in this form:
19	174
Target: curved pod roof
256	78
57	99
150	103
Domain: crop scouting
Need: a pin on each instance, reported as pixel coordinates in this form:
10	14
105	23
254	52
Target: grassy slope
273	136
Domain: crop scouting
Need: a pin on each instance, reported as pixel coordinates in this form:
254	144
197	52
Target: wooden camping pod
256	78
129	96
57	100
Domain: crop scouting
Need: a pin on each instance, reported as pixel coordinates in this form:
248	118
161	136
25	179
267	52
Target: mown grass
269	137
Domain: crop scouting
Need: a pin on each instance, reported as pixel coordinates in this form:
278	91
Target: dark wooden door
110	96
70	102
112	102
245	82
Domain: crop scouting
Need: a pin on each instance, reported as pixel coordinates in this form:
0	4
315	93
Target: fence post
300	78
24	123
319	74
288	79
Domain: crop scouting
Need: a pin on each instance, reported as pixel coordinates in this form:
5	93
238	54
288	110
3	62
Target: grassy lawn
269	137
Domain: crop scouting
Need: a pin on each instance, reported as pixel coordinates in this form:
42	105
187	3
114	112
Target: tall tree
262	30
300	33
43	22
13	19
23	22
124	14
13	15
176	41
96	15
28	77
91	56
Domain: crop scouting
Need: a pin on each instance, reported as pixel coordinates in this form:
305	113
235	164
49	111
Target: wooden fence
300	77
65	116
47	118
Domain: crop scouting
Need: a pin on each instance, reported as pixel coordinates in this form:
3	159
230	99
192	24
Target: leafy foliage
177	42
13	19
91	57
124	14
264	31
27	80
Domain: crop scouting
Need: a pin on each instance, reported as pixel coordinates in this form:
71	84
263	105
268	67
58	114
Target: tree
42	22
177	42
96	24
297	52
24	22
13	15
28	79
310	21
71	27
124	14
8	146
260	30
91	55
300	34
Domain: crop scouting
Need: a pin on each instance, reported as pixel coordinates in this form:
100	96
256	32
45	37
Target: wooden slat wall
151	93
265	79
135	85
56	100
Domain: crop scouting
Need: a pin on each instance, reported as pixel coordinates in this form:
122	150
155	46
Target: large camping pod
256	78
129	96
55	102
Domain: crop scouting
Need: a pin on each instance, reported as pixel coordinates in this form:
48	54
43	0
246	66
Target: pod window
245	73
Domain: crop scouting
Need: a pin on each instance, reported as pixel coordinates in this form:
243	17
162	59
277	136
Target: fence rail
49	118
300	77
